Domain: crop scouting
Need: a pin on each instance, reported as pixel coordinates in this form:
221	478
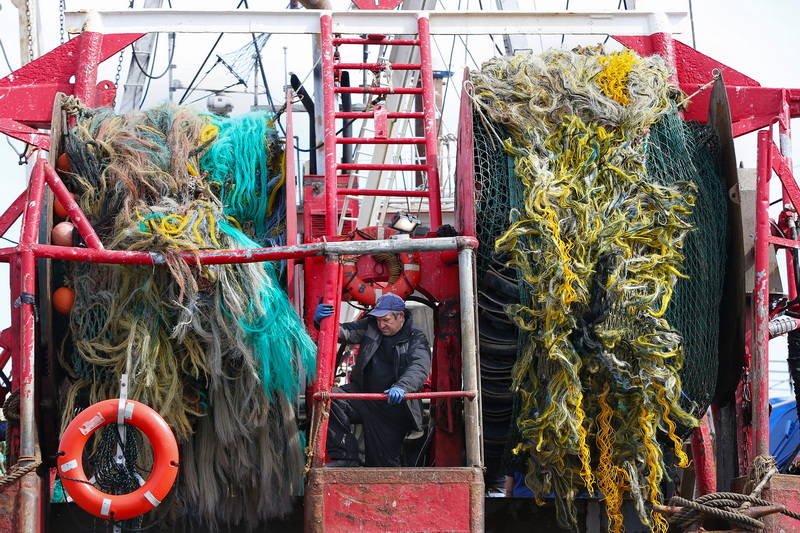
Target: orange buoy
63	164
63	300
59	209
61	234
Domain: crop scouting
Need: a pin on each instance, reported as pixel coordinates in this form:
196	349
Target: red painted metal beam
379	166
13	212
758	366
24	133
326	357
291	198
27	94
752	107
376	39
329	124
75	213
703	457
691	66
430	124
465	214
376	67
382	192
369	114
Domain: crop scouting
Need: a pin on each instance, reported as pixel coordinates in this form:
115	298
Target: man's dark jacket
412	357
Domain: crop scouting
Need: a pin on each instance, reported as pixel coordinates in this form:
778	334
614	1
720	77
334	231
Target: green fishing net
610	208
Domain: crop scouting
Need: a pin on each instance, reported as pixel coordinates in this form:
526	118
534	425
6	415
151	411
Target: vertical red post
465	169
429	119
326	343
760	337
291	197
90	55
30	506
329	114
703	455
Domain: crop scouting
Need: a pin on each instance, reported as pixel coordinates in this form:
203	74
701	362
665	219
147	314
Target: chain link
117	76
62	7
29	28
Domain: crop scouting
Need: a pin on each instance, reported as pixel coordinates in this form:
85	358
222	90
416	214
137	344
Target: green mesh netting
612	211
217	350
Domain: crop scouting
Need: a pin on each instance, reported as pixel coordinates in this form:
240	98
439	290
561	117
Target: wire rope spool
401	274
122	506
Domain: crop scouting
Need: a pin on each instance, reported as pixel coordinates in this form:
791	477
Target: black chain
62	7
29	29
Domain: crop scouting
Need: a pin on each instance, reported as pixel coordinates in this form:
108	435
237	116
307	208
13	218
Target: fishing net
616	192
217	350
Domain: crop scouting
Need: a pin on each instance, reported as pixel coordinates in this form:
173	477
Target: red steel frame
23	260
51	74
752	108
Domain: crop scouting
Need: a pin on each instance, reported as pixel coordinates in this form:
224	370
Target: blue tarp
784	431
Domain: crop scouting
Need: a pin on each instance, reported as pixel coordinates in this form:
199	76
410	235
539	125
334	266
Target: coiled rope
731	506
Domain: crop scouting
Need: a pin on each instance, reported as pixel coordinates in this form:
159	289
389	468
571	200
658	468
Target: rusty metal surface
394	499
9	496
782	490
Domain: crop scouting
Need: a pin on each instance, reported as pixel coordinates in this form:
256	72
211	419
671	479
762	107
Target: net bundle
601	189
217	350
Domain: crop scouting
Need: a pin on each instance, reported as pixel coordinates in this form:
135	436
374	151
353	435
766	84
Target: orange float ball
63	164
59	209
61	235
63	300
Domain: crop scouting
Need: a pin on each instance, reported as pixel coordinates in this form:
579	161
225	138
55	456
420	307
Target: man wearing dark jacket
394	358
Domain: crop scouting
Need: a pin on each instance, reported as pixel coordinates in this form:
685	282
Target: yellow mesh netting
598	250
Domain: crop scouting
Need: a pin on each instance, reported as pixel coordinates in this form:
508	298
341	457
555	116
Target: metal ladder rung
380	166
378	90
382	41
381	140
368	115
377	67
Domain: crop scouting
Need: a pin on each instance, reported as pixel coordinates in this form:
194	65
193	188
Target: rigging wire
3	49
191	83
152	67
480	4
618	6
203	64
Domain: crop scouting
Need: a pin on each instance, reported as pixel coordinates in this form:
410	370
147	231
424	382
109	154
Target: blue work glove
323	310
394	395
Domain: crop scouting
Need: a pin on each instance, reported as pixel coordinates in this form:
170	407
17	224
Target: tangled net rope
217	350
598	251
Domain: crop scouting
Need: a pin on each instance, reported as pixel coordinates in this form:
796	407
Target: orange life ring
367	293
123	506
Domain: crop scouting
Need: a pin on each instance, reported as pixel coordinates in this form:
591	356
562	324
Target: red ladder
331	67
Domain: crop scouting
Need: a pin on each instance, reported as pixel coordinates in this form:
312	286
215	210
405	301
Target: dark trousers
385	428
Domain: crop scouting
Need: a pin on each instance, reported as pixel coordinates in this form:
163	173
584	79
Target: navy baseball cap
388	303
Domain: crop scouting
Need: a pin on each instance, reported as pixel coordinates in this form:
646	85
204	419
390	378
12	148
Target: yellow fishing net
598	249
